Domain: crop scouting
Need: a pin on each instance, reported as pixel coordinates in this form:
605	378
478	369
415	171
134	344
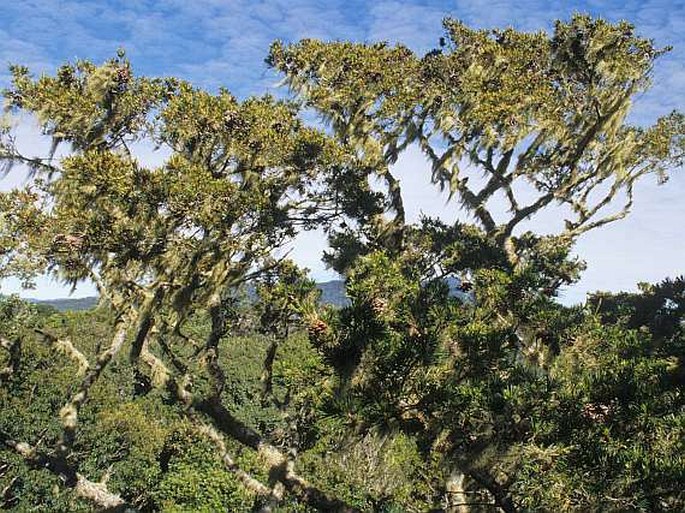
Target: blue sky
223	43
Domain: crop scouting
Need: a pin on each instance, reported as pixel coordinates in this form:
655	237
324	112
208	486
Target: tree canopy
451	381
534	112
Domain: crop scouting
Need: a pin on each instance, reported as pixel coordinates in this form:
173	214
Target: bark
277	461
267	373
248	481
145	322
212	344
501	495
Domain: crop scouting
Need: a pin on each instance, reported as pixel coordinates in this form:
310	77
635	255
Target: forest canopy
211	378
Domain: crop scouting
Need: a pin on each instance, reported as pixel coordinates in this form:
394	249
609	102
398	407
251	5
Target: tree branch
65	346
95	492
145	319
502	497
247	480
580	227
498	180
295	484
266	379
227	424
69	412
467	197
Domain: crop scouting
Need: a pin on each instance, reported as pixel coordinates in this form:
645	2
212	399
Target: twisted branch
95	492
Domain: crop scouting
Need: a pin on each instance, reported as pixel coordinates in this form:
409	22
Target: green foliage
620	427
373	473
659	308
195	479
483	379
31	489
150	454
577	413
123	440
596	424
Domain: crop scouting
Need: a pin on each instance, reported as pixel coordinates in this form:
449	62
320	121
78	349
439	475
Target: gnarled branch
66	347
95	492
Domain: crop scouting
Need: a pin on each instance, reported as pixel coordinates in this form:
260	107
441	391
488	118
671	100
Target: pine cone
379	305
317	329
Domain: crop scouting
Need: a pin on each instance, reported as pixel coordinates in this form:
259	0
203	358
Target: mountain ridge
332	293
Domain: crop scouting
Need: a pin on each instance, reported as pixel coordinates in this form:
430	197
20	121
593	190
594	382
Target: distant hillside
68	304
332	293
